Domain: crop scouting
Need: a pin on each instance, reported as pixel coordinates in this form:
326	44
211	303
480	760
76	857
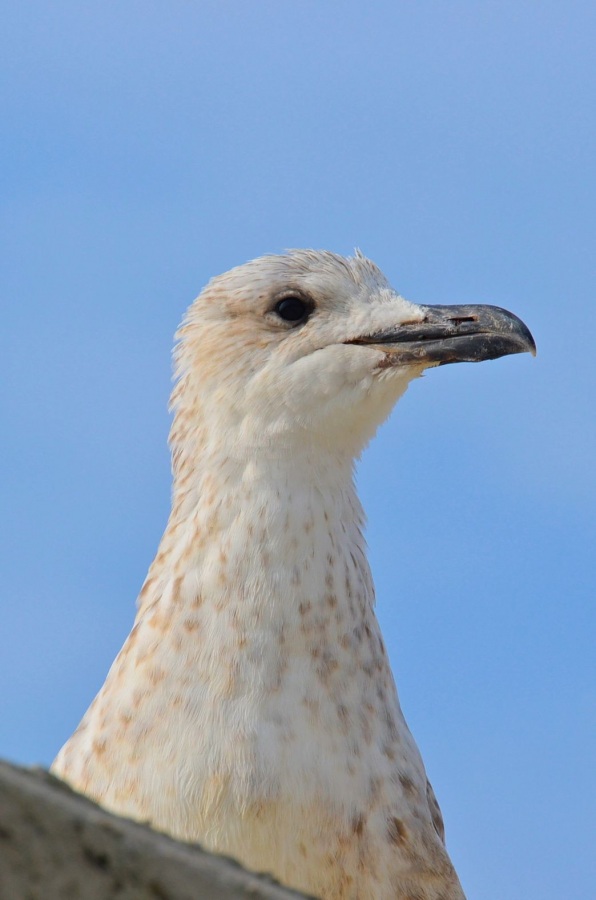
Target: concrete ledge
57	845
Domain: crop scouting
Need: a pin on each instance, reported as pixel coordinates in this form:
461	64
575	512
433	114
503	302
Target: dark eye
293	309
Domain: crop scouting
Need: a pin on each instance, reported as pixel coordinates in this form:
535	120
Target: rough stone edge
56	844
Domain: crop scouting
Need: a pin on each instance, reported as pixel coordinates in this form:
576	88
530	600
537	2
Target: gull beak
450	334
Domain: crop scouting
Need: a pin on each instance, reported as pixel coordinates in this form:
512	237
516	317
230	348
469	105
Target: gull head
312	349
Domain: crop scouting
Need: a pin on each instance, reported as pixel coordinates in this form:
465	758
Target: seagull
252	707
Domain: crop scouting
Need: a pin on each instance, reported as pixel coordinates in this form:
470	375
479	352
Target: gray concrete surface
57	845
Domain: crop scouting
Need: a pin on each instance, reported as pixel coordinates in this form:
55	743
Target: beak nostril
457	320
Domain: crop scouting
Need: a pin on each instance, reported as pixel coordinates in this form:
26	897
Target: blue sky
148	146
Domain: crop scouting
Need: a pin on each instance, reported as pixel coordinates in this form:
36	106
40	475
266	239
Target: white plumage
252	707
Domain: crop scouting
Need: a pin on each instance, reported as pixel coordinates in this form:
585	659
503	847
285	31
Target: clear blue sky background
150	145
